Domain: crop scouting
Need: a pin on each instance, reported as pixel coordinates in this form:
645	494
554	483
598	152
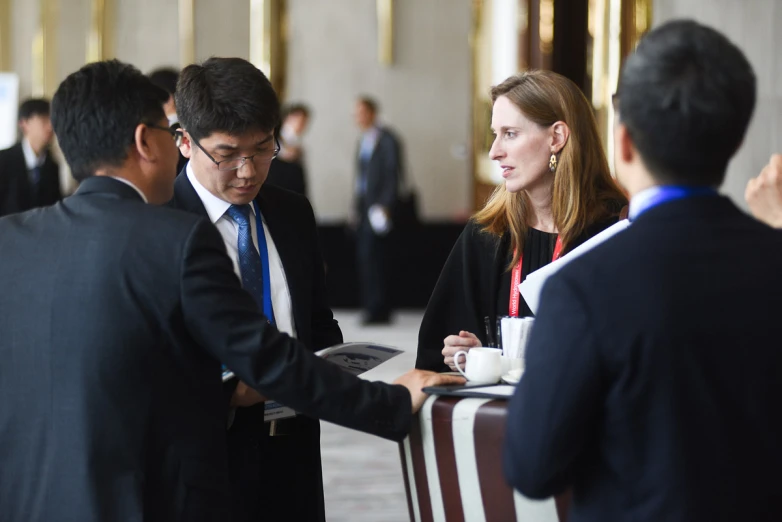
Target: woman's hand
456	343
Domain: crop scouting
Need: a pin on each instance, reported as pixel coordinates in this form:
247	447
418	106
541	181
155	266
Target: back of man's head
686	96
227	95
32	107
166	78
96	110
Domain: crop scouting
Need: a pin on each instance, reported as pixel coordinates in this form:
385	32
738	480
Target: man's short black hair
227	95
166	78
96	110
686	96
34	107
370	103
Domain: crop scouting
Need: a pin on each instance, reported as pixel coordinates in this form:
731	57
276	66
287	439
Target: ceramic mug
482	365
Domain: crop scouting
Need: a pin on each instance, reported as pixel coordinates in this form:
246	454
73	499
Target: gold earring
552	163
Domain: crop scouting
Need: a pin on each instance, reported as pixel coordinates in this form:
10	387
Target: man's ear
186	146
141	142
560	133
625	148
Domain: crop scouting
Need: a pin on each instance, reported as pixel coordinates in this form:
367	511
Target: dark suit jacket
296	485
288	175
383	174
652	379
116	316
16	192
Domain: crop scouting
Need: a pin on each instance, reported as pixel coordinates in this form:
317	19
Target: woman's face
521	147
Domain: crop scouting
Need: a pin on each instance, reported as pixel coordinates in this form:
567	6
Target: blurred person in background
558	192
379	166
287	170
29	176
166	78
764	193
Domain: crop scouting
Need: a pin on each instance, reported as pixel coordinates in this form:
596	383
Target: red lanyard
515	296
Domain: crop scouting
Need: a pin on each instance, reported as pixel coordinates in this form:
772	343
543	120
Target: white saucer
512	377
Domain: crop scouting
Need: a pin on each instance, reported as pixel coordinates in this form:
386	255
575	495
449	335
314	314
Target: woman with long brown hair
558	192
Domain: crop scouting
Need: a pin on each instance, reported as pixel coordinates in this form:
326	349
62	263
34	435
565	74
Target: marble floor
362	474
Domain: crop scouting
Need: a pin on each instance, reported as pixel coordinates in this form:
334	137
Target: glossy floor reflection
362	475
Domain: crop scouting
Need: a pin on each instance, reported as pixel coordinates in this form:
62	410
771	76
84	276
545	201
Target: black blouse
475	283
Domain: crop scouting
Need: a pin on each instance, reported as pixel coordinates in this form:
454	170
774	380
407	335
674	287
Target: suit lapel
284	238
186	198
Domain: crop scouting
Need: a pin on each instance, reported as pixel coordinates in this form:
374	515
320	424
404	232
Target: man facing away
116	317
228	111
652	376
29	176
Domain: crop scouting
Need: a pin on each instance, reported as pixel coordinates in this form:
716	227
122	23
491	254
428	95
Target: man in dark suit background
166	78
228	109
29	176
379	167
116	317
652	376
287	171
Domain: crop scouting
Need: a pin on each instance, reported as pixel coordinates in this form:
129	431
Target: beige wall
753	26
147	33
425	95
222	28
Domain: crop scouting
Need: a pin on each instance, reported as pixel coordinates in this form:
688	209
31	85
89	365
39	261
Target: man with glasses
228	111
116	317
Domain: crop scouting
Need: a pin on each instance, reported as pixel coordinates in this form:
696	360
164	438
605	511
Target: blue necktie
35	175
249	260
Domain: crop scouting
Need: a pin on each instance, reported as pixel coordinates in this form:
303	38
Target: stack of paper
532	286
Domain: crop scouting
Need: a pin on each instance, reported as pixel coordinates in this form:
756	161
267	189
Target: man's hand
416	380
244	396
764	193
456	343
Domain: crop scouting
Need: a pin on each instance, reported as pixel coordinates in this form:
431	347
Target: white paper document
532	286
355	358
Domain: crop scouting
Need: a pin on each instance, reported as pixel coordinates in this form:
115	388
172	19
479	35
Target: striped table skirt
452	466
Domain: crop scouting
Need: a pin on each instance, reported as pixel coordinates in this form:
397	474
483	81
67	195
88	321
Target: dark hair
166	78
295	108
228	95
686	96
369	103
96	110
34	107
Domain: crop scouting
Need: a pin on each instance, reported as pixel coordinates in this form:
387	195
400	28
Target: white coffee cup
482	365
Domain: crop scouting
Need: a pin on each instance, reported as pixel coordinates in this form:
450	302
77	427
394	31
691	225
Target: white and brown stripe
452	466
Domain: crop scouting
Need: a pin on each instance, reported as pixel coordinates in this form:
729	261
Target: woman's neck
541	216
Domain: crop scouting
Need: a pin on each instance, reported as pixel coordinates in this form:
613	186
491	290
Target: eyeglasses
262	157
174	131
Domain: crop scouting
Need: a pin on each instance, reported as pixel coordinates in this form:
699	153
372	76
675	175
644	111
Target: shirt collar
215	207
640	200
131	185
30	159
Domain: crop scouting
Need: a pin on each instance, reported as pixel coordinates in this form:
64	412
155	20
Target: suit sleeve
225	321
390	163
553	413
325	330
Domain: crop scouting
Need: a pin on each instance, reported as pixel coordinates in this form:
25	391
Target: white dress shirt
216	209
30	159
131	185
640	200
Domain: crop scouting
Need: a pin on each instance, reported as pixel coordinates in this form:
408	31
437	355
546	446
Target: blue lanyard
669	193
268	310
